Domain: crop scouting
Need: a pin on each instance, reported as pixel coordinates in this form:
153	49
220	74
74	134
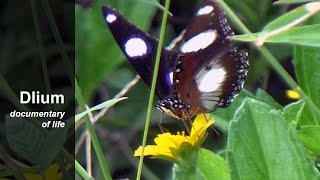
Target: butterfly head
174	108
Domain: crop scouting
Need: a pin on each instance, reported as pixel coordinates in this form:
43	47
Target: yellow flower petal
153	150
52	173
200	128
166	142
199	121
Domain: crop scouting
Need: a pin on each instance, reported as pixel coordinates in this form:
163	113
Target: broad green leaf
307	64
266	98
310	137
34	145
97	53
224	115
307	61
24	139
308	116
212	166
207	166
292	112
288	18
292	1
187	168
303	35
54	143
105	104
262	146
272	32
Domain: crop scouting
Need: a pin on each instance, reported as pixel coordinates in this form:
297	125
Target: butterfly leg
162	128
185	114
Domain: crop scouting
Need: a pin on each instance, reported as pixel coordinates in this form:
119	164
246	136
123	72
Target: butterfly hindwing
211	72
140	49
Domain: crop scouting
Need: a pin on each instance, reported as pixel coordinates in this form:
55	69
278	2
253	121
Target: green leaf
310	137
292	1
281	30
308	116
262	146
266	98
185	168
307	63
287	18
24	139
212	166
303	35
53	143
208	165
105	104
33	145
292	113
226	114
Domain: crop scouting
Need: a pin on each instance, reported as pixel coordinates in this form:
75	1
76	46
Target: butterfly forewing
208	29
140	49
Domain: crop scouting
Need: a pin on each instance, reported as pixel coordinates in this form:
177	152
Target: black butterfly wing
208	30
211	71
140	49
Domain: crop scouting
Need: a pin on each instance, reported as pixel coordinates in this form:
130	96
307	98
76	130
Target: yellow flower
52	173
293	94
167	144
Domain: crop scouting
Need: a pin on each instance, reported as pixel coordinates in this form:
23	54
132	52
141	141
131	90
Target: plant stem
40	45
96	145
153	86
82	172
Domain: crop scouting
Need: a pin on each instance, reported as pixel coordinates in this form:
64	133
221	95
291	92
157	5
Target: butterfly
206	72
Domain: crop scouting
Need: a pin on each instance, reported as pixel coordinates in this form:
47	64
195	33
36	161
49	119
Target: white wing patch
111	18
199	41
205	10
171	77
211	80
135	47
